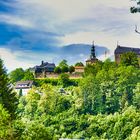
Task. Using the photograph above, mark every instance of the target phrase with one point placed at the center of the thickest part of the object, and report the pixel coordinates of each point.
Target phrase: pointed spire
(92, 56)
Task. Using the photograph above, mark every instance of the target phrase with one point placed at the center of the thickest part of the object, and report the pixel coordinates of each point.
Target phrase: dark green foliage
(135, 9)
(136, 97)
(16, 75)
(63, 63)
(7, 96)
(55, 82)
(129, 59)
(64, 80)
(5, 126)
(71, 69)
(57, 70)
(79, 64)
(64, 69)
(28, 75)
(19, 74)
(40, 82)
(64, 66)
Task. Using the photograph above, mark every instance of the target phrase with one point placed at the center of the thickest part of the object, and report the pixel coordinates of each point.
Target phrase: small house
(23, 87)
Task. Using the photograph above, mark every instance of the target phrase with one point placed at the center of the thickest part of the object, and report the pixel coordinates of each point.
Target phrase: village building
(43, 70)
(79, 69)
(92, 59)
(23, 87)
(121, 49)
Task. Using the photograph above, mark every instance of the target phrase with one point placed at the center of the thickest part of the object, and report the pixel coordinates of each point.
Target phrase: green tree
(136, 97)
(71, 69)
(63, 63)
(64, 80)
(79, 64)
(90, 70)
(16, 75)
(129, 58)
(28, 75)
(6, 131)
(91, 94)
(57, 70)
(64, 66)
(7, 96)
(35, 131)
(108, 64)
(64, 69)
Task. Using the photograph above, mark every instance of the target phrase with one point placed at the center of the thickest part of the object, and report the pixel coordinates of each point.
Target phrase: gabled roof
(122, 49)
(23, 84)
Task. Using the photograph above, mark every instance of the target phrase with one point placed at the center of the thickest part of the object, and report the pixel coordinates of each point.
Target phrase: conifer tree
(7, 96)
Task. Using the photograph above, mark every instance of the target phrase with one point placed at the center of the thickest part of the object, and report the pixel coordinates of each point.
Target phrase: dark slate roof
(122, 49)
(45, 66)
(23, 84)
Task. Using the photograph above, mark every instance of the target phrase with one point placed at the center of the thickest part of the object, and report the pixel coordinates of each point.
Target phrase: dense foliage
(129, 59)
(63, 67)
(7, 96)
(103, 105)
(19, 74)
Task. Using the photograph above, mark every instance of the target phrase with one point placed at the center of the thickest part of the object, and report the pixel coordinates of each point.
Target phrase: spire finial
(93, 42)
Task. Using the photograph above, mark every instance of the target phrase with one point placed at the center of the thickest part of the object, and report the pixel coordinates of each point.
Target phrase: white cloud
(15, 20)
(10, 59)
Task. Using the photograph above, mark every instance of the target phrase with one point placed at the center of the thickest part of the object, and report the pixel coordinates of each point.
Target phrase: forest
(104, 104)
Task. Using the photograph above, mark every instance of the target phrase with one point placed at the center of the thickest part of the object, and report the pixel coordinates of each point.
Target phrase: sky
(36, 30)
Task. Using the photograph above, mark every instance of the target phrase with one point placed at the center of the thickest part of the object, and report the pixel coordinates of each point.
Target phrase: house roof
(122, 49)
(45, 66)
(92, 60)
(23, 84)
(79, 67)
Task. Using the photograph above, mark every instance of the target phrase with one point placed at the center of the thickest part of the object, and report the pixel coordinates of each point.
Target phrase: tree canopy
(135, 9)
(129, 59)
(19, 74)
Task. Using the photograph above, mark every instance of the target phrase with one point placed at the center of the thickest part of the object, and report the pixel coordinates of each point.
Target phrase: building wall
(117, 58)
(139, 59)
(79, 69)
(24, 91)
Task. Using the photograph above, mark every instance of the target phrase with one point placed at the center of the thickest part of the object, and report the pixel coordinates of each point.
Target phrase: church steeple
(93, 59)
(92, 55)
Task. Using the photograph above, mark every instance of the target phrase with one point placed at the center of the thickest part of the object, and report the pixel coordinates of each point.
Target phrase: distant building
(121, 49)
(23, 87)
(43, 70)
(92, 59)
(79, 69)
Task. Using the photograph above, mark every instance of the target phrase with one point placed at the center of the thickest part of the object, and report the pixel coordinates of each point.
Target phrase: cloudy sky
(35, 30)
